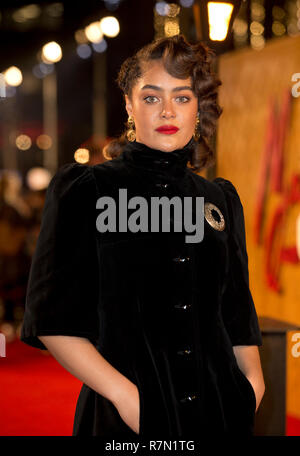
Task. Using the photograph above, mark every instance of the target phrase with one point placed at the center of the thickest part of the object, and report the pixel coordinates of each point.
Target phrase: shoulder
(219, 189)
(234, 205)
(227, 186)
(219, 184)
(70, 178)
(70, 199)
(109, 168)
(231, 194)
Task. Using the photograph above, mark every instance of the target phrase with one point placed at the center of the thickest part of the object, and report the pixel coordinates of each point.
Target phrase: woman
(163, 333)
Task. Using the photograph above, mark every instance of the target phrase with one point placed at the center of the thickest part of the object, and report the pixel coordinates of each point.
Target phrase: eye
(183, 99)
(150, 99)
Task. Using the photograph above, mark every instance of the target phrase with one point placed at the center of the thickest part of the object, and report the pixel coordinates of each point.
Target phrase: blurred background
(59, 103)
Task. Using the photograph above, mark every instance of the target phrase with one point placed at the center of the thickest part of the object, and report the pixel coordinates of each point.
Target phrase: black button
(183, 306)
(161, 185)
(161, 162)
(189, 398)
(185, 352)
(181, 259)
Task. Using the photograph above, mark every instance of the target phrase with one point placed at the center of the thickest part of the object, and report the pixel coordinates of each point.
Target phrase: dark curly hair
(181, 59)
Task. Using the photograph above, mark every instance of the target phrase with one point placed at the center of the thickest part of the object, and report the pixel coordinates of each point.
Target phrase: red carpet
(38, 396)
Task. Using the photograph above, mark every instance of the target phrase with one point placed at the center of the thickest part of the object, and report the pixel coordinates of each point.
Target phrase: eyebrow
(176, 89)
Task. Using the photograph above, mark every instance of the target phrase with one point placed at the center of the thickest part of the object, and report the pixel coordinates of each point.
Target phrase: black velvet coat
(164, 312)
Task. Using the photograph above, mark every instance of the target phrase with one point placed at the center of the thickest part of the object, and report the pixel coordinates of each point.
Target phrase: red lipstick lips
(167, 129)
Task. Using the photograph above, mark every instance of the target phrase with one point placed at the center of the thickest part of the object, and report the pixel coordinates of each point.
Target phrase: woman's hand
(259, 390)
(248, 360)
(81, 358)
(128, 406)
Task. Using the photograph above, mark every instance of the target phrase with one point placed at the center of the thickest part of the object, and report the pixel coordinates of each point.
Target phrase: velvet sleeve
(62, 289)
(238, 309)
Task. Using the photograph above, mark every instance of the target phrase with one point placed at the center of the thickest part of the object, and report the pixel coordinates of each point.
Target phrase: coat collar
(142, 157)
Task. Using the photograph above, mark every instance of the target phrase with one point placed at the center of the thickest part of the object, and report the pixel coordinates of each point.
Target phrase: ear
(128, 105)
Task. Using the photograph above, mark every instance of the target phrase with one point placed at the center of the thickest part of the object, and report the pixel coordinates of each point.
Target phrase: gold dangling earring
(196, 134)
(130, 134)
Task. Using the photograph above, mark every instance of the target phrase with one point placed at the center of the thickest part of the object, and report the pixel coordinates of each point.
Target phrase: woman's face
(158, 99)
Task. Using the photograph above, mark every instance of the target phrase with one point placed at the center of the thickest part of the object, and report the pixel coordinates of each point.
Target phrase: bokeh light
(44, 142)
(51, 52)
(80, 36)
(84, 51)
(42, 69)
(10, 91)
(46, 68)
(93, 32)
(171, 27)
(23, 142)
(13, 76)
(219, 15)
(173, 9)
(8, 330)
(240, 27)
(278, 13)
(256, 28)
(257, 42)
(162, 8)
(258, 12)
(110, 26)
(82, 155)
(100, 47)
(38, 178)
(55, 9)
(26, 13)
(278, 28)
(31, 11)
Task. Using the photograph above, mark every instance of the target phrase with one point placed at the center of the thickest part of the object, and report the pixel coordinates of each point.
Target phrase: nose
(167, 109)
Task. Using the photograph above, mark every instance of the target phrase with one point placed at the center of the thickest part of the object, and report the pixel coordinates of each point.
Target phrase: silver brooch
(208, 214)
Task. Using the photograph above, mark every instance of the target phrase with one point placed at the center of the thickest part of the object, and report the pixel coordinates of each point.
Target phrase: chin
(168, 144)
(165, 143)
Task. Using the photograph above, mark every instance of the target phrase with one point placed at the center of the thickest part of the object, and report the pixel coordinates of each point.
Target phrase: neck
(172, 164)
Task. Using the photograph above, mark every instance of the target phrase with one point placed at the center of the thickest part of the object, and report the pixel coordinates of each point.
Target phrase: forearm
(79, 357)
(248, 360)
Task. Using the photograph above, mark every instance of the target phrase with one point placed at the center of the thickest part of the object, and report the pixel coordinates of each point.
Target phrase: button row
(184, 352)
